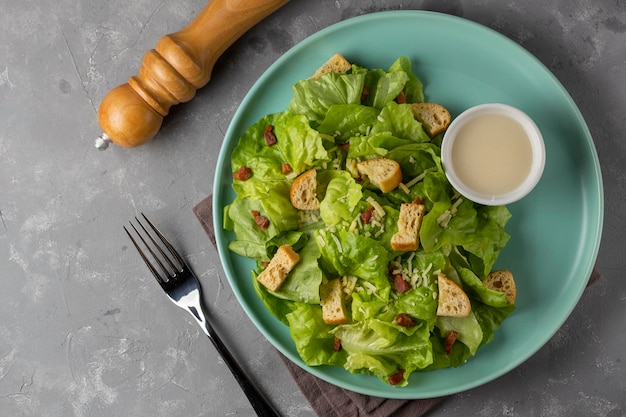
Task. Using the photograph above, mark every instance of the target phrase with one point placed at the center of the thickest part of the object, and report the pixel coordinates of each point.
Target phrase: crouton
(384, 173)
(409, 223)
(333, 305)
(337, 64)
(303, 191)
(452, 302)
(279, 267)
(502, 281)
(434, 117)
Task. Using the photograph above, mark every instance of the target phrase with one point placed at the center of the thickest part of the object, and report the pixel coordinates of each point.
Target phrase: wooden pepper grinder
(131, 114)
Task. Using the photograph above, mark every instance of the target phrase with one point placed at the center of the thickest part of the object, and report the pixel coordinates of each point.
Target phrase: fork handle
(259, 403)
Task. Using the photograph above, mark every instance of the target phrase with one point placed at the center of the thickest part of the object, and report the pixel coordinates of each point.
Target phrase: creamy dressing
(492, 154)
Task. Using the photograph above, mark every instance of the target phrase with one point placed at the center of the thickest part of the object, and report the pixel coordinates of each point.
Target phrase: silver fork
(183, 288)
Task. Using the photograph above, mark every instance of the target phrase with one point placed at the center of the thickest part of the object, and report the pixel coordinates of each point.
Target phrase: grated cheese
(410, 262)
(337, 242)
(370, 288)
(444, 219)
(410, 274)
(307, 217)
(420, 177)
(404, 188)
(455, 206)
(348, 283)
(377, 207)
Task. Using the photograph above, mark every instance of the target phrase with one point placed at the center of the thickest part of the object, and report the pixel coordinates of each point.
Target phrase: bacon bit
(450, 339)
(243, 174)
(400, 284)
(260, 221)
(265, 264)
(396, 378)
(344, 146)
(405, 320)
(418, 200)
(401, 98)
(270, 138)
(337, 344)
(285, 168)
(366, 216)
(365, 93)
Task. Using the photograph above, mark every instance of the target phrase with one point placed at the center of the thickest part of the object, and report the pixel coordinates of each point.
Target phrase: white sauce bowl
(484, 162)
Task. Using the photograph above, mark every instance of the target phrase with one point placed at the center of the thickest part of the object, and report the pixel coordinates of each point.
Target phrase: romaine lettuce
(331, 122)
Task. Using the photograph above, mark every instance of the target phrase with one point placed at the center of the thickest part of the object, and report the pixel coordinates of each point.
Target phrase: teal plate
(555, 230)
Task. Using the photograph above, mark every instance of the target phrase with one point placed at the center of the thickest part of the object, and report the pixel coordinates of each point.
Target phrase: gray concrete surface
(84, 331)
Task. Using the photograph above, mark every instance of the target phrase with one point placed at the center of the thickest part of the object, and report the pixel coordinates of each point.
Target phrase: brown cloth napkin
(329, 400)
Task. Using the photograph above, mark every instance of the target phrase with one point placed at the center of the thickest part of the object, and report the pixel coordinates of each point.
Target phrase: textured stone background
(84, 331)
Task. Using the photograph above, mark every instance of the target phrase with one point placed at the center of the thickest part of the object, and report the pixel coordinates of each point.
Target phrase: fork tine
(165, 271)
(166, 242)
(143, 256)
(164, 256)
(150, 243)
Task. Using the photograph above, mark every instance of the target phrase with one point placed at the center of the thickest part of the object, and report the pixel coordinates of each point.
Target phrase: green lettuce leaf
(398, 120)
(298, 145)
(313, 97)
(383, 86)
(413, 89)
(489, 238)
(341, 195)
(382, 348)
(345, 254)
(468, 329)
(344, 121)
(313, 338)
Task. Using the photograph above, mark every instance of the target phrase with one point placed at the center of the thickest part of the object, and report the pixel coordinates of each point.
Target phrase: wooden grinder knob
(131, 114)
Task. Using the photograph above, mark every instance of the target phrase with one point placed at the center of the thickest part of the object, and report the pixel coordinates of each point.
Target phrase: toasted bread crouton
(384, 173)
(453, 302)
(337, 64)
(502, 281)
(281, 264)
(409, 223)
(303, 191)
(333, 306)
(434, 117)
